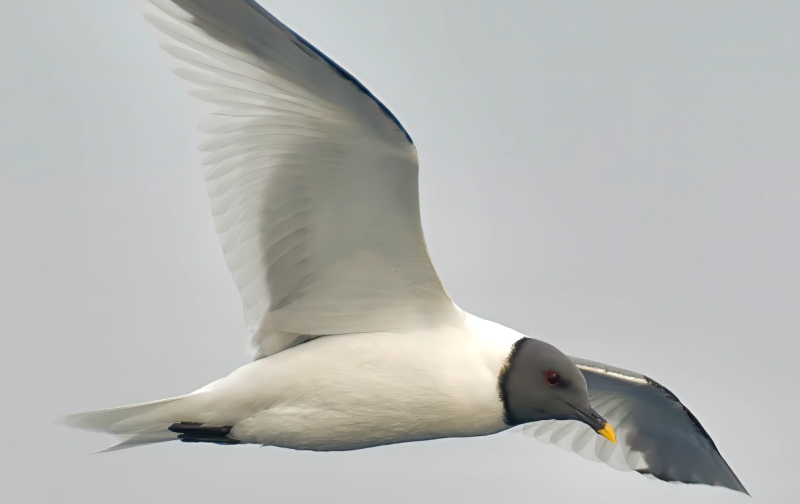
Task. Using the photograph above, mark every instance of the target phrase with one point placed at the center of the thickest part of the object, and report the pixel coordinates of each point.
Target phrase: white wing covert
(313, 182)
(656, 434)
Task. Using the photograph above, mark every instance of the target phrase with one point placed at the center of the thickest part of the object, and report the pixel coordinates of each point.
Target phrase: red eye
(551, 377)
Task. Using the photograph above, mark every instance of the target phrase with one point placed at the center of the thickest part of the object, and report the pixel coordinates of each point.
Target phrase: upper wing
(656, 434)
(313, 182)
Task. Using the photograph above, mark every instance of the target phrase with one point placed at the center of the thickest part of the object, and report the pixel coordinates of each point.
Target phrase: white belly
(357, 390)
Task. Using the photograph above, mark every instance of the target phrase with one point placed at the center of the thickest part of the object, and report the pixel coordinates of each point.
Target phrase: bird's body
(353, 391)
(313, 188)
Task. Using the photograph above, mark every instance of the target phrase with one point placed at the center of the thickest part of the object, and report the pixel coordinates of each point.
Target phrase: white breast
(357, 390)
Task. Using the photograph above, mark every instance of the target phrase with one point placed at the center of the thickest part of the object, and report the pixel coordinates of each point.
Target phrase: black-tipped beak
(596, 422)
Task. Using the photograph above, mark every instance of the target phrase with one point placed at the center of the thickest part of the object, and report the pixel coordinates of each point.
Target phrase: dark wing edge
(653, 421)
(344, 73)
(233, 12)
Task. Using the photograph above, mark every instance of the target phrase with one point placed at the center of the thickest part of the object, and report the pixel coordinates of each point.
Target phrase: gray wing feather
(656, 434)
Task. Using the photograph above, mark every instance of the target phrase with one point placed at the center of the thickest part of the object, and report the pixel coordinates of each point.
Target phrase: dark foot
(195, 432)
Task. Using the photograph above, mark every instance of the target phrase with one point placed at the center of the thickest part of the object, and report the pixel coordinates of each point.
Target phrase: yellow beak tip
(608, 432)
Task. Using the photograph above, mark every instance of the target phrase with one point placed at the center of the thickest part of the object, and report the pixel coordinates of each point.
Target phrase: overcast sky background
(621, 179)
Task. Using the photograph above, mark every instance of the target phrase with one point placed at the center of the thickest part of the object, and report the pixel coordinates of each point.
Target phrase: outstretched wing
(656, 434)
(313, 182)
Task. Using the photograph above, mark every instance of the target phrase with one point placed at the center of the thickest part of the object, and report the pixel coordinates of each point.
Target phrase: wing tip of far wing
(725, 477)
(735, 483)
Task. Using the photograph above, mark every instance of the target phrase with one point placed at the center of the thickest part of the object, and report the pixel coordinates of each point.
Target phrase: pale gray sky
(621, 179)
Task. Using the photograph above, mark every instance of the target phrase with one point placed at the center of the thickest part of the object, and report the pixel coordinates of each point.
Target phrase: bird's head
(538, 382)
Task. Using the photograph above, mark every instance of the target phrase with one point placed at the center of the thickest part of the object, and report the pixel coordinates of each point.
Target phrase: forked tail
(137, 424)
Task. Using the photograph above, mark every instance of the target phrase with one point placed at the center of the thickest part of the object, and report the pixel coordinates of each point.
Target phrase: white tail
(133, 425)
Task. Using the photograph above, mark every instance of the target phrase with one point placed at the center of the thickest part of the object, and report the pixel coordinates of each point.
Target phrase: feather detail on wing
(656, 434)
(313, 182)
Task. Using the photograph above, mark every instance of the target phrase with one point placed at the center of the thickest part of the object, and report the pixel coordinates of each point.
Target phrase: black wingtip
(702, 431)
(196, 432)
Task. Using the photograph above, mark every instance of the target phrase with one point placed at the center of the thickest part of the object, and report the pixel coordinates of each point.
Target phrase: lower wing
(656, 434)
